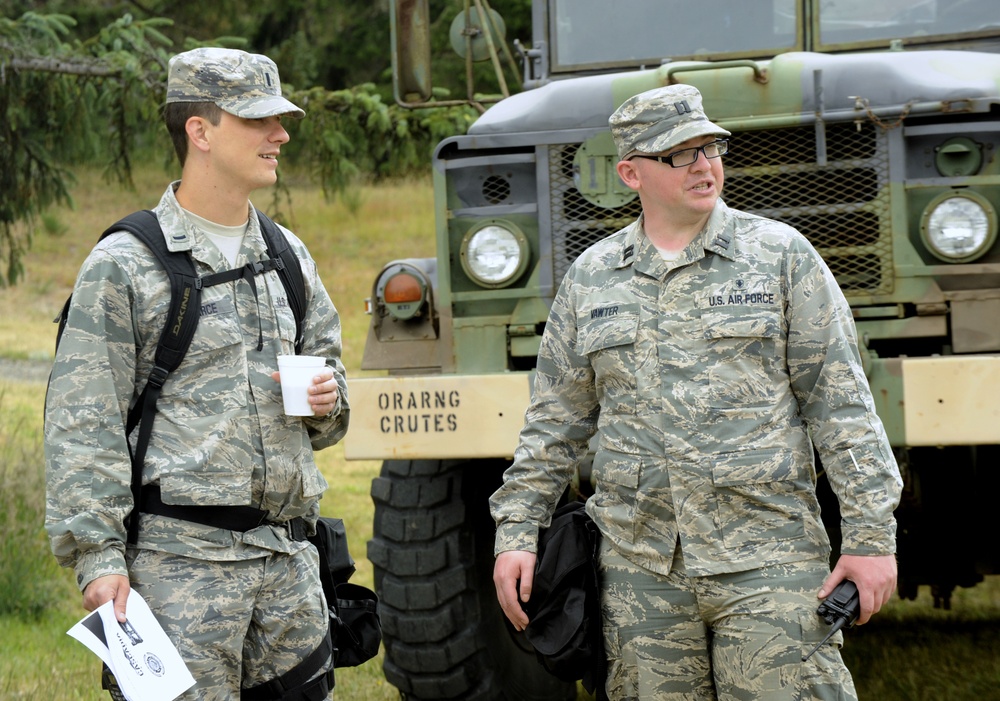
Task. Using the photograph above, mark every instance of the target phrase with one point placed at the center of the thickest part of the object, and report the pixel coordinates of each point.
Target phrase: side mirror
(411, 51)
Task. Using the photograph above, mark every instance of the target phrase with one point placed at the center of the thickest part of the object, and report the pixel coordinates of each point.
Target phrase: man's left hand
(323, 391)
(874, 575)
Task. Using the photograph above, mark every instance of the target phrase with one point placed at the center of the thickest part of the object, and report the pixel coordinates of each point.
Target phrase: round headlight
(959, 228)
(494, 253)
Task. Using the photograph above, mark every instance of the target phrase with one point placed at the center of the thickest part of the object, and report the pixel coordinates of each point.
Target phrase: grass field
(910, 652)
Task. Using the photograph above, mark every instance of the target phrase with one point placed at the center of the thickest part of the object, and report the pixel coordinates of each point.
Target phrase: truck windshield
(843, 21)
(603, 34)
(600, 34)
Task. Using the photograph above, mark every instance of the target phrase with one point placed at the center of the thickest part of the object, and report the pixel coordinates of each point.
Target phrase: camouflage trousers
(732, 637)
(237, 623)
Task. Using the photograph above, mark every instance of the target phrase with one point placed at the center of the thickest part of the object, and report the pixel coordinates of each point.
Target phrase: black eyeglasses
(687, 156)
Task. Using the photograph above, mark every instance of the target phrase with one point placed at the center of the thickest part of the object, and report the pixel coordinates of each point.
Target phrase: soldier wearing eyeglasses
(709, 354)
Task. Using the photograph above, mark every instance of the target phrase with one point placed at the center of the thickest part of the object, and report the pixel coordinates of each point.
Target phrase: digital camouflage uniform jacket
(220, 436)
(703, 379)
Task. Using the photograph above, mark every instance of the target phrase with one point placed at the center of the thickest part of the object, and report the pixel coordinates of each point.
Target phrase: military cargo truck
(873, 128)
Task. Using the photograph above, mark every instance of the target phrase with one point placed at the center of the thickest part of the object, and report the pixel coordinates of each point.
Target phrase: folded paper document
(138, 652)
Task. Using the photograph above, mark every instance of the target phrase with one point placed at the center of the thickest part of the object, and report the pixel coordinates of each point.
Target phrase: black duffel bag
(564, 610)
(355, 625)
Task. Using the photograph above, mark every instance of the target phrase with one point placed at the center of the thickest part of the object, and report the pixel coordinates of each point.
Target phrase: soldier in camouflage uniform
(706, 351)
(242, 607)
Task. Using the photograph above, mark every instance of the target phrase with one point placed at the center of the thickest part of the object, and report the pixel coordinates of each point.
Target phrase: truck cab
(872, 128)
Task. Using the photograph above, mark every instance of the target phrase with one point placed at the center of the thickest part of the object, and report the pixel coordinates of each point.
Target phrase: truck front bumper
(436, 416)
(939, 401)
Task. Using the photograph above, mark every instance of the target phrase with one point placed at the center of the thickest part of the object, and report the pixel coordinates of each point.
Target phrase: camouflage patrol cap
(242, 84)
(659, 119)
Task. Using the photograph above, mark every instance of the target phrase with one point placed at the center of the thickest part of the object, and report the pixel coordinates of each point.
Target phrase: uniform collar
(182, 235)
(717, 237)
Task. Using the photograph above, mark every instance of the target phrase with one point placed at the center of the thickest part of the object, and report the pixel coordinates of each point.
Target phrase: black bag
(355, 625)
(564, 610)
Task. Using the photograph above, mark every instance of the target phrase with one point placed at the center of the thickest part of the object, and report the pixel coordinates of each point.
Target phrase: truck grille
(842, 206)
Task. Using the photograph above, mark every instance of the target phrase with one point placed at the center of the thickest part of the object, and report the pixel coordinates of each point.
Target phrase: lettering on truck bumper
(440, 416)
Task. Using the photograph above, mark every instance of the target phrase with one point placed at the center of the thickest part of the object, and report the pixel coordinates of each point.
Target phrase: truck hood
(887, 79)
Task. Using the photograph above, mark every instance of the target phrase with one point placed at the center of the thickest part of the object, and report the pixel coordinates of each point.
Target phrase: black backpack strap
(282, 260)
(182, 320)
(175, 339)
(289, 270)
(298, 683)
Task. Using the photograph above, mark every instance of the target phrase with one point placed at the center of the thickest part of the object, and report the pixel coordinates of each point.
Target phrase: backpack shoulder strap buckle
(157, 376)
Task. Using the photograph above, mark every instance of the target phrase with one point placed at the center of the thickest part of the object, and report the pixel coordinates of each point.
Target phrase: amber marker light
(403, 288)
(404, 295)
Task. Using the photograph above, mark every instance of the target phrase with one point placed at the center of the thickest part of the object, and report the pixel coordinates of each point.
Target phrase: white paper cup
(297, 373)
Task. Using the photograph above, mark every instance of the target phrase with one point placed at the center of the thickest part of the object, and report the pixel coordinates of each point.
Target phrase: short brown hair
(176, 115)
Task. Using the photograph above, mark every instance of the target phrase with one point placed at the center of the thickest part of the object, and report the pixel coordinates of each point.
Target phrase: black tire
(444, 634)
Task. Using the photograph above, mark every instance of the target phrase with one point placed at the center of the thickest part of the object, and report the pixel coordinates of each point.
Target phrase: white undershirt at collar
(228, 239)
